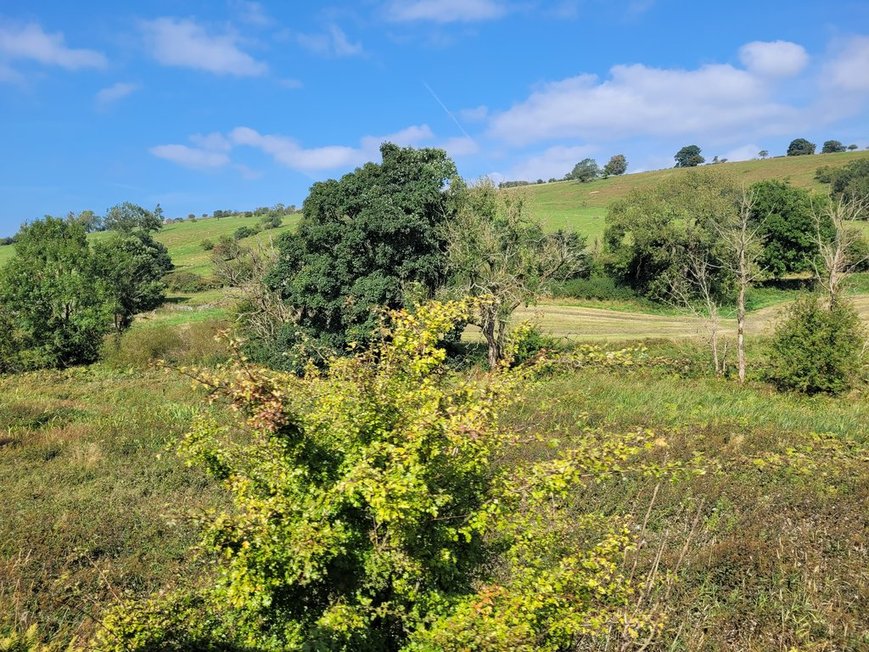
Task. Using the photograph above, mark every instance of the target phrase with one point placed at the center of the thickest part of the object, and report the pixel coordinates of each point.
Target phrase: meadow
(765, 548)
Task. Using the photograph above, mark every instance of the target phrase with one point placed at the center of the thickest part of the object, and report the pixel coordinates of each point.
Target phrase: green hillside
(582, 206)
(184, 239)
(562, 204)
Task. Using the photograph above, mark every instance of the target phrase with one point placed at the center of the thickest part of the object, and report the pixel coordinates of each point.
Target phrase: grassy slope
(582, 206)
(95, 502)
(184, 239)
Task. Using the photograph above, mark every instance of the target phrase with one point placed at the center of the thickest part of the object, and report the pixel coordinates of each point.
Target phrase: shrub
(187, 282)
(817, 348)
(244, 232)
(271, 221)
(207, 245)
(597, 287)
(371, 513)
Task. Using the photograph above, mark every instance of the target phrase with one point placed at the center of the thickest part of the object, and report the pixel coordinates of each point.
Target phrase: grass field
(98, 508)
(568, 205)
(184, 239)
(582, 206)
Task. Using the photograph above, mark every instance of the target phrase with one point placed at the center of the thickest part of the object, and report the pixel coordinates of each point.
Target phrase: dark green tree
(616, 166)
(363, 241)
(800, 147)
(688, 157)
(652, 234)
(586, 170)
(128, 217)
(831, 147)
(131, 267)
(848, 183)
(54, 306)
(852, 147)
(788, 227)
(817, 347)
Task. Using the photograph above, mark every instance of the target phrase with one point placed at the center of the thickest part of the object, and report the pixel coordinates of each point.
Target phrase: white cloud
(445, 11)
(115, 92)
(213, 142)
(190, 157)
(332, 43)
(641, 101)
(460, 146)
(186, 44)
(475, 114)
(289, 153)
(292, 84)
(252, 13)
(31, 42)
(773, 58)
(743, 153)
(849, 70)
(553, 162)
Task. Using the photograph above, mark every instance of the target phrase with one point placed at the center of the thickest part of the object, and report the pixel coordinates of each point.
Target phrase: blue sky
(235, 104)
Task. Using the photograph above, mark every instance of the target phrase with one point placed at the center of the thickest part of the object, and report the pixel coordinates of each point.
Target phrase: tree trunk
(740, 329)
(493, 342)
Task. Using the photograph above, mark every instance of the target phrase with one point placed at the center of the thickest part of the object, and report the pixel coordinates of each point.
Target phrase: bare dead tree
(698, 276)
(835, 261)
(743, 239)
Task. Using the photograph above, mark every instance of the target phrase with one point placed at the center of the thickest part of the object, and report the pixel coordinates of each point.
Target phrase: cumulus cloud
(773, 58)
(849, 69)
(213, 150)
(288, 152)
(190, 157)
(115, 92)
(210, 151)
(638, 100)
(186, 44)
(553, 162)
(743, 153)
(445, 11)
(331, 43)
(30, 42)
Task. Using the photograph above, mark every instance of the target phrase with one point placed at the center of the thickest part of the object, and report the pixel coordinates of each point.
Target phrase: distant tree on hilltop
(800, 147)
(688, 157)
(832, 146)
(616, 166)
(586, 170)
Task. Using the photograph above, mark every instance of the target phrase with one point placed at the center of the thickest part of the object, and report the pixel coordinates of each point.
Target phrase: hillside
(184, 239)
(582, 206)
(562, 204)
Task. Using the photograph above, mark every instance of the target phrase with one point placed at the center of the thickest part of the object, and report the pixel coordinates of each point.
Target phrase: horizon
(200, 107)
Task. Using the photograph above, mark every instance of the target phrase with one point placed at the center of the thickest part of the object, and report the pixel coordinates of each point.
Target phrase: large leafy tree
(586, 170)
(832, 146)
(652, 235)
(131, 267)
(688, 157)
(849, 183)
(800, 147)
(54, 307)
(127, 217)
(498, 253)
(787, 226)
(616, 166)
(364, 241)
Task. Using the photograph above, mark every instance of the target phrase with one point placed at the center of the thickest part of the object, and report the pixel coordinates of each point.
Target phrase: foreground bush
(817, 348)
(371, 512)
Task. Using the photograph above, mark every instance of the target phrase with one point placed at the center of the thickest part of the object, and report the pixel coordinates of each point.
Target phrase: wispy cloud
(29, 42)
(115, 92)
(445, 11)
(252, 13)
(210, 151)
(213, 150)
(849, 68)
(185, 43)
(331, 43)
